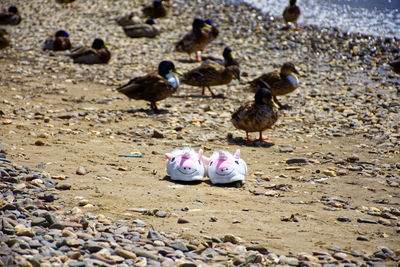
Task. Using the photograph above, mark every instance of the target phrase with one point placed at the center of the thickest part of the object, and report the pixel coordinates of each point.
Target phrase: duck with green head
(291, 14)
(256, 116)
(59, 42)
(10, 17)
(4, 40)
(211, 74)
(153, 87)
(281, 82)
(156, 10)
(195, 40)
(149, 29)
(97, 54)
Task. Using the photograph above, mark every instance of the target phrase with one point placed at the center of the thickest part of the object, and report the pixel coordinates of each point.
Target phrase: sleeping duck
(195, 40)
(211, 74)
(256, 116)
(58, 42)
(10, 17)
(97, 54)
(153, 87)
(4, 40)
(143, 30)
(291, 13)
(395, 64)
(127, 20)
(281, 82)
(228, 59)
(156, 10)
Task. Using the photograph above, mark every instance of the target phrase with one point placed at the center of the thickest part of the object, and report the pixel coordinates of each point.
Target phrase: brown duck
(281, 82)
(156, 10)
(127, 20)
(97, 54)
(149, 29)
(4, 40)
(10, 17)
(211, 74)
(395, 64)
(153, 87)
(256, 116)
(195, 40)
(291, 13)
(59, 42)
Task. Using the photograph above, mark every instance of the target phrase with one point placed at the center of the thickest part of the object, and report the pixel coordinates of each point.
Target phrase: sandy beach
(340, 200)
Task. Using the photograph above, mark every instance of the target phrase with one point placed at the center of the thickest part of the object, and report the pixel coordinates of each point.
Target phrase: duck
(281, 82)
(4, 40)
(257, 116)
(65, 2)
(156, 10)
(10, 17)
(211, 74)
(59, 42)
(97, 54)
(228, 59)
(195, 40)
(149, 29)
(153, 87)
(291, 13)
(395, 64)
(127, 20)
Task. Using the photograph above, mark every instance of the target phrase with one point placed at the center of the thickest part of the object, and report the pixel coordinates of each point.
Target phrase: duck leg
(198, 57)
(212, 93)
(153, 106)
(190, 57)
(203, 90)
(281, 106)
(264, 141)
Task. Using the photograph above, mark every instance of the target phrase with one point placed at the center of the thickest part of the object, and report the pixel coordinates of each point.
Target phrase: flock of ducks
(255, 116)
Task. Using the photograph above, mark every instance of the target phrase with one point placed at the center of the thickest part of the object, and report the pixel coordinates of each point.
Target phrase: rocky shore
(326, 194)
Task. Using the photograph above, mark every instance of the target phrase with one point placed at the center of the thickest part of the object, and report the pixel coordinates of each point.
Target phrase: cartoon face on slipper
(224, 168)
(185, 165)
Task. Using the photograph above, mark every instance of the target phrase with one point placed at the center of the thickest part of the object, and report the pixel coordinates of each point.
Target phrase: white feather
(173, 80)
(293, 80)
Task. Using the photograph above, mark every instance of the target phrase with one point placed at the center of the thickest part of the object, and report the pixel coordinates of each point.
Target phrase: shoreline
(342, 84)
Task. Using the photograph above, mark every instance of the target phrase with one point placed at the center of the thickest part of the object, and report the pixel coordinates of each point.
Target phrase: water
(375, 17)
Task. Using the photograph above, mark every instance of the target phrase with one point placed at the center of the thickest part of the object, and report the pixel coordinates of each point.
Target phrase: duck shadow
(147, 111)
(181, 60)
(243, 142)
(220, 96)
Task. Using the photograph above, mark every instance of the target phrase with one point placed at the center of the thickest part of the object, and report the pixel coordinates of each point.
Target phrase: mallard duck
(156, 10)
(4, 40)
(97, 54)
(58, 42)
(213, 31)
(210, 74)
(228, 59)
(196, 39)
(256, 116)
(281, 82)
(291, 13)
(10, 17)
(66, 2)
(127, 20)
(395, 64)
(153, 87)
(143, 30)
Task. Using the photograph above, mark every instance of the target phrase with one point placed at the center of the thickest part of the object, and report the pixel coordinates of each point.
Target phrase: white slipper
(223, 168)
(185, 164)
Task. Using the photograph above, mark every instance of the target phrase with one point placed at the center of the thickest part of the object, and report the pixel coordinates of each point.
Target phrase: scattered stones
(297, 161)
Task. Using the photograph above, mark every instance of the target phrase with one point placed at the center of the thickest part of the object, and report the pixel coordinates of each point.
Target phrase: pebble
(81, 170)
(297, 160)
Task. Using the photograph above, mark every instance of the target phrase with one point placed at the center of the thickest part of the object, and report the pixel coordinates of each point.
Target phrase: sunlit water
(375, 17)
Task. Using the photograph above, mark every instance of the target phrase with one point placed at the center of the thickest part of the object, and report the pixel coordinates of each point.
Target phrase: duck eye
(237, 162)
(173, 159)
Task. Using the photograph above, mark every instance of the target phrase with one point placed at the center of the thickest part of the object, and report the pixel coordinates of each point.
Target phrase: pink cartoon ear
(237, 154)
(201, 154)
(168, 155)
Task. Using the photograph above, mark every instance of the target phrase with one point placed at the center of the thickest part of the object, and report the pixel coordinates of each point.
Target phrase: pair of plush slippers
(184, 164)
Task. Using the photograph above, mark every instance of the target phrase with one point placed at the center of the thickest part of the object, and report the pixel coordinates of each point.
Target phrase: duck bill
(177, 72)
(296, 71)
(272, 103)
